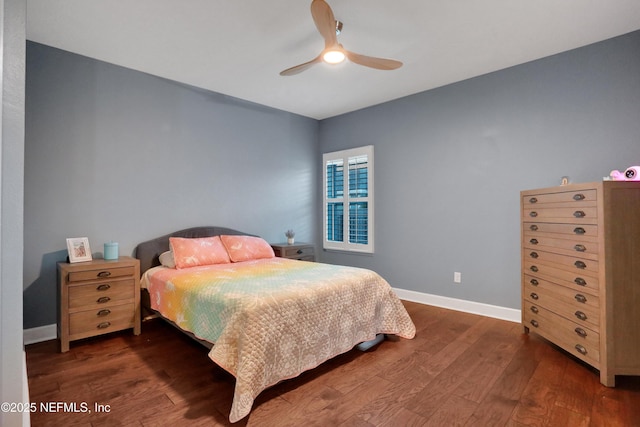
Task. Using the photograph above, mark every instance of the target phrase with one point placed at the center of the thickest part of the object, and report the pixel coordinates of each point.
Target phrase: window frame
(347, 199)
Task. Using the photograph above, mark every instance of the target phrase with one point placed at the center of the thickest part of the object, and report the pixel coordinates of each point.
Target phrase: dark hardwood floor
(460, 370)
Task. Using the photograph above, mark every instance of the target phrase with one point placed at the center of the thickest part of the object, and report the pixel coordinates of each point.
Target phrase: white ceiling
(238, 47)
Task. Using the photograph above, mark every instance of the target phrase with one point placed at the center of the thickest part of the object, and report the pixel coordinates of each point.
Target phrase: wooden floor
(460, 370)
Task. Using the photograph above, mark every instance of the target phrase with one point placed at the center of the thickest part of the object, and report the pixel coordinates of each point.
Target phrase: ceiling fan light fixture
(333, 56)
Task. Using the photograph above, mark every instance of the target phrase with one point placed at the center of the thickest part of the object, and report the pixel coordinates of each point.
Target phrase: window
(348, 199)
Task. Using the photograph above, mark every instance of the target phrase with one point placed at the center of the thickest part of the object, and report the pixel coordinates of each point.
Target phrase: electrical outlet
(457, 277)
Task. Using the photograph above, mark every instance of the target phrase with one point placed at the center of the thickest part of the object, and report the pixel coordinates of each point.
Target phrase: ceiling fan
(333, 52)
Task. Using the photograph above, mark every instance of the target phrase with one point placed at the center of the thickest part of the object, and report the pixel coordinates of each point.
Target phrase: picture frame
(79, 250)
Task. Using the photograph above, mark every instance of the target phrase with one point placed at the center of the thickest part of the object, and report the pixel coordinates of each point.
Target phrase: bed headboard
(149, 252)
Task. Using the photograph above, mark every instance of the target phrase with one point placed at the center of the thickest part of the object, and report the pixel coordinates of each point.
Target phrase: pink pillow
(246, 248)
(201, 251)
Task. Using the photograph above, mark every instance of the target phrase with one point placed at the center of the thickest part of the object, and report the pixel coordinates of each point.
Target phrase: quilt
(272, 319)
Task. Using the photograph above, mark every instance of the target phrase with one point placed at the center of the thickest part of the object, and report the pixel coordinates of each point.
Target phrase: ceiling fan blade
(325, 22)
(300, 68)
(372, 62)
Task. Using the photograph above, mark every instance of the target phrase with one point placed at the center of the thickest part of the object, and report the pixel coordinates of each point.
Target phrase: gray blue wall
(450, 163)
(116, 154)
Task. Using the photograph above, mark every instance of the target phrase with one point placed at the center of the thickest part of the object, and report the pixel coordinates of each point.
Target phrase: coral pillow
(246, 248)
(200, 251)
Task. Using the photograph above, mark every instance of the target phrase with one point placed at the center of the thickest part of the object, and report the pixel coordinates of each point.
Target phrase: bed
(266, 319)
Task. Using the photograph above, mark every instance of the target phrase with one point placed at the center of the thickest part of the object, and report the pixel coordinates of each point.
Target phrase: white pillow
(166, 259)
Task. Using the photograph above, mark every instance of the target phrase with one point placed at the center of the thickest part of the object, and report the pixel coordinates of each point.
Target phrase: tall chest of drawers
(581, 272)
(97, 297)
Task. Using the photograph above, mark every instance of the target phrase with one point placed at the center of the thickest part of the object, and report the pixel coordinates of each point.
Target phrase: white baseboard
(39, 334)
(49, 332)
(482, 309)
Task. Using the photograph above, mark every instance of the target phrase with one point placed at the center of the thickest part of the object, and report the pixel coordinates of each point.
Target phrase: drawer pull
(534, 295)
(581, 332)
(533, 200)
(581, 349)
(579, 230)
(581, 298)
(534, 241)
(580, 248)
(299, 251)
(533, 268)
(534, 282)
(580, 281)
(104, 325)
(579, 214)
(534, 309)
(533, 214)
(580, 264)
(104, 312)
(533, 227)
(104, 274)
(580, 315)
(103, 287)
(578, 197)
(534, 322)
(533, 254)
(102, 300)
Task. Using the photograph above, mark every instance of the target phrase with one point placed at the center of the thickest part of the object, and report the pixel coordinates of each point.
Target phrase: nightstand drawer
(102, 273)
(101, 292)
(102, 320)
(298, 251)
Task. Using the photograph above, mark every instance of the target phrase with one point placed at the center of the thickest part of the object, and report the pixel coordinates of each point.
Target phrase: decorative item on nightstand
(290, 236)
(111, 251)
(78, 248)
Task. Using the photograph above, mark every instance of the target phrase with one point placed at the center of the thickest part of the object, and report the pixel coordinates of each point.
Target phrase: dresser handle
(533, 214)
(534, 296)
(580, 315)
(534, 309)
(533, 268)
(103, 287)
(579, 214)
(534, 241)
(581, 332)
(580, 281)
(534, 282)
(299, 251)
(533, 254)
(580, 248)
(578, 197)
(533, 227)
(102, 300)
(534, 322)
(581, 349)
(580, 265)
(581, 298)
(104, 274)
(104, 312)
(579, 230)
(104, 325)
(533, 200)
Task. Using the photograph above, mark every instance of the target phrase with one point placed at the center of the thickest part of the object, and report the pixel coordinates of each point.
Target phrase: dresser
(581, 272)
(97, 297)
(299, 251)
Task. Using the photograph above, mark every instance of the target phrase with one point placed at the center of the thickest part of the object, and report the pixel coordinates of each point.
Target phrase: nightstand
(97, 297)
(299, 251)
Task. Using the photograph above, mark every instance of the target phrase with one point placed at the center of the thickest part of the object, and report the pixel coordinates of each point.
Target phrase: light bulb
(333, 56)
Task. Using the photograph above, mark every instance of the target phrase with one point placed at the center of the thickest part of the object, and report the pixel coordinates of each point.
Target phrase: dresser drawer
(574, 338)
(101, 292)
(575, 264)
(581, 308)
(103, 273)
(575, 278)
(112, 318)
(579, 196)
(584, 232)
(575, 215)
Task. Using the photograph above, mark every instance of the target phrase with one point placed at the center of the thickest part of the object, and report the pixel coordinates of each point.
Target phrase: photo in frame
(78, 248)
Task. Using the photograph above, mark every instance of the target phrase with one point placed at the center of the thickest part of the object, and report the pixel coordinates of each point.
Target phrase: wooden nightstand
(97, 297)
(299, 251)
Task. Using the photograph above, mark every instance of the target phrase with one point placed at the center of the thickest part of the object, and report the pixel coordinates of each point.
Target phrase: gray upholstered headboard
(149, 252)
